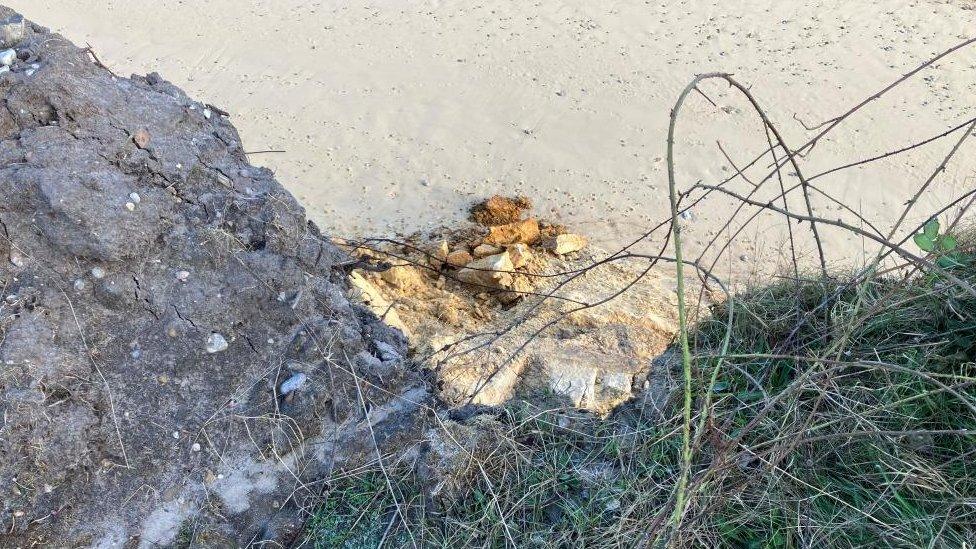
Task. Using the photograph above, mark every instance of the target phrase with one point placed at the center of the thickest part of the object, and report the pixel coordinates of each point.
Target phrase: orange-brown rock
(458, 258)
(525, 232)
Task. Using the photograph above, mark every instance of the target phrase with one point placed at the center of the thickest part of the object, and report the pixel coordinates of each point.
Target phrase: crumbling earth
(178, 357)
(512, 306)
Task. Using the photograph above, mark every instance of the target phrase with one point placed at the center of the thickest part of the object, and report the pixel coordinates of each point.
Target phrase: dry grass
(843, 414)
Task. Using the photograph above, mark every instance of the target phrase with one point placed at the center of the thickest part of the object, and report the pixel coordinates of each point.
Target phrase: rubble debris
(459, 258)
(525, 232)
(590, 359)
(493, 271)
(520, 254)
(565, 244)
(484, 250)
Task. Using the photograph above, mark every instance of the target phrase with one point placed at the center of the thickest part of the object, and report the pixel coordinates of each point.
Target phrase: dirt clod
(500, 210)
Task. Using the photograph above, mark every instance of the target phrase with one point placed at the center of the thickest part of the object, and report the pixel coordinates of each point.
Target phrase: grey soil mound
(177, 353)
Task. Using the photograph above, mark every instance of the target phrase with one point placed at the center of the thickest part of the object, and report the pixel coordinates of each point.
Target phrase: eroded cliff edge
(176, 346)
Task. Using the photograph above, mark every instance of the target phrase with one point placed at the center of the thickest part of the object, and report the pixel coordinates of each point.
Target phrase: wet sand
(395, 115)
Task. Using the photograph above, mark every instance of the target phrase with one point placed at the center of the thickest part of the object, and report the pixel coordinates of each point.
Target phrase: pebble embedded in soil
(142, 138)
(130, 206)
(98, 272)
(183, 276)
(292, 384)
(388, 353)
(216, 343)
(7, 57)
(79, 284)
(135, 198)
(16, 259)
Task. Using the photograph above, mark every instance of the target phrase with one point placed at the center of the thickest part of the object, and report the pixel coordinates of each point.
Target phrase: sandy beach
(395, 116)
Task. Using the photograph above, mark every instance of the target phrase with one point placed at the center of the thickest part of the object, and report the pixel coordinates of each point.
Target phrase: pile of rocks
(494, 259)
(485, 285)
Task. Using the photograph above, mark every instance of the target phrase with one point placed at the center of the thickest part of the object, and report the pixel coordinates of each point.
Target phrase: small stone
(216, 343)
(521, 254)
(566, 243)
(16, 259)
(441, 251)
(686, 215)
(7, 57)
(48, 488)
(130, 206)
(292, 384)
(195, 447)
(484, 250)
(207, 113)
(459, 258)
(183, 276)
(12, 31)
(388, 353)
(79, 284)
(135, 198)
(493, 271)
(403, 277)
(142, 138)
(98, 272)
(176, 434)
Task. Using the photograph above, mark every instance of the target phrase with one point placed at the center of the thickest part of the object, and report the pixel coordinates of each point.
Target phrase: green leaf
(931, 229)
(925, 242)
(948, 243)
(951, 260)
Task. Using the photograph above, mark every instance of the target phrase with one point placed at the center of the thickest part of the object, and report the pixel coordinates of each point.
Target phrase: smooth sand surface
(396, 115)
